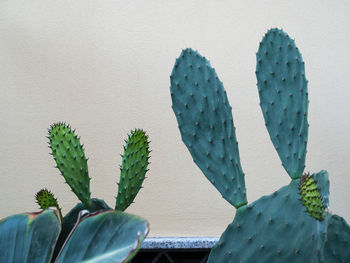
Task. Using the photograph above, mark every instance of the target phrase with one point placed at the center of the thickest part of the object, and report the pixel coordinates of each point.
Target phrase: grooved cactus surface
(274, 228)
(284, 98)
(206, 124)
(133, 168)
(70, 159)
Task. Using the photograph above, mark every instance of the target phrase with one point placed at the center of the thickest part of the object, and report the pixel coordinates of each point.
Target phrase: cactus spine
(292, 224)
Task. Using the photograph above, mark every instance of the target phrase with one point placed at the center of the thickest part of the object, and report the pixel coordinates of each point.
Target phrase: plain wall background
(103, 66)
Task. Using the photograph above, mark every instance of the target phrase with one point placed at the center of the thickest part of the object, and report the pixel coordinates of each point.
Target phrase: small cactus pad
(274, 228)
(311, 197)
(284, 98)
(46, 199)
(205, 121)
(337, 247)
(70, 159)
(133, 168)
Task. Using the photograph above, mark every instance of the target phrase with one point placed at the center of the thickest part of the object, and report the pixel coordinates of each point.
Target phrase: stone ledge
(179, 242)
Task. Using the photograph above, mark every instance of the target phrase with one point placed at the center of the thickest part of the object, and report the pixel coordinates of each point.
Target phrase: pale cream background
(103, 66)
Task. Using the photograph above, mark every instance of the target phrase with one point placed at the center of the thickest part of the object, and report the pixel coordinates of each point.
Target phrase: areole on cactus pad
(292, 224)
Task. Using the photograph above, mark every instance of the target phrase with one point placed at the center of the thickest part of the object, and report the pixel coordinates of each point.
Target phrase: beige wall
(103, 66)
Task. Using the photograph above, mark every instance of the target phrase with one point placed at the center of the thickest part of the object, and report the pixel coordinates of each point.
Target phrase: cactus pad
(133, 168)
(205, 121)
(70, 159)
(311, 197)
(274, 228)
(284, 98)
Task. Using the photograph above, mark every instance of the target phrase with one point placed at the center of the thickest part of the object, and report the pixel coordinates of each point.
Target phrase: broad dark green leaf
(29, 237)
(104, 236)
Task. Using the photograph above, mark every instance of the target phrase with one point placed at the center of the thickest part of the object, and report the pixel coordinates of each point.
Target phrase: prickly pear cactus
(70, 158)
(292, 224)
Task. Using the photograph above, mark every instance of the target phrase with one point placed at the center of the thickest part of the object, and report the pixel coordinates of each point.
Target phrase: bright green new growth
(311, 197)
(292, 224)
(133, 168)
(70, 159)
(46, 199)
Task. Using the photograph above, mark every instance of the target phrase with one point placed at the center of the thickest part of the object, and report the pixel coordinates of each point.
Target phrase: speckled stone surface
(179, 242)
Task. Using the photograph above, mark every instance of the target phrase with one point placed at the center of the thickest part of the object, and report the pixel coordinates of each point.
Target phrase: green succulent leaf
(70, 219)
(103, 237)
(29, 237)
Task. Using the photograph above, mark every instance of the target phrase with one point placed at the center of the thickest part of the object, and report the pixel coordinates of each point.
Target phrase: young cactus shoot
(70, 159)
(133, 168)
(46, 199)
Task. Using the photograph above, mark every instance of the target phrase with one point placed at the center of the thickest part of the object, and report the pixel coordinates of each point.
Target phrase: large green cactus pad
(29, 237)
(105, 236)
(274, 228)
(70, 159)
(284, 98)
(337, 248)
(133, 168)
(205, 121)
